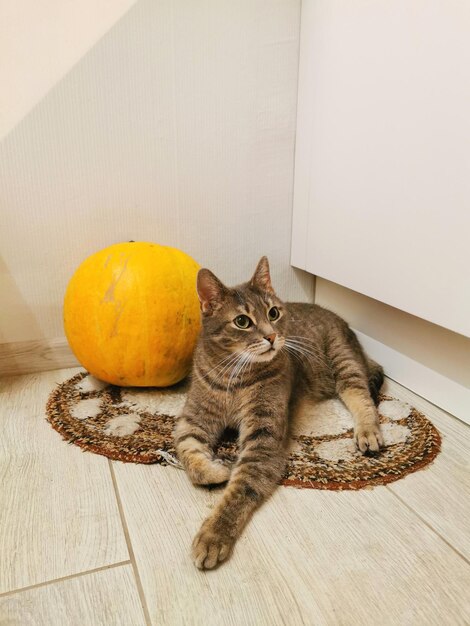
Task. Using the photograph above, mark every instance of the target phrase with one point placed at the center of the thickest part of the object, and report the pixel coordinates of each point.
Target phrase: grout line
(69, 577)
(426, 523)
(133, 562)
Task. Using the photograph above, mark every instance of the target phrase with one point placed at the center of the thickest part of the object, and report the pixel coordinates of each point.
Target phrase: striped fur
(253, 379)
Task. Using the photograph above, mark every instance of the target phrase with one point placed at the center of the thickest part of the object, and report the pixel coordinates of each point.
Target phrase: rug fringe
(169, 458)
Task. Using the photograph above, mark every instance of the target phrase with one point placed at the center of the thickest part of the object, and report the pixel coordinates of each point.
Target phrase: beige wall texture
(435, 347)
(176, 127)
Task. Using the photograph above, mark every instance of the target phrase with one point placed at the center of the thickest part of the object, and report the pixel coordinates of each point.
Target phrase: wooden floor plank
(441, 493)
(58, 511)
(308, 557)
(108, 598)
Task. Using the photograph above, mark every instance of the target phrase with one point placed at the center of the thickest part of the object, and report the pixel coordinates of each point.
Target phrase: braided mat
(135, 425)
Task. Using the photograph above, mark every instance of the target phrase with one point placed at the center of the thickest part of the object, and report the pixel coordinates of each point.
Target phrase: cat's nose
(271, 338)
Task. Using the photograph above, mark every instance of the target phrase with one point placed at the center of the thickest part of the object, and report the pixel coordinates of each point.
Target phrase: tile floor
(86, 541)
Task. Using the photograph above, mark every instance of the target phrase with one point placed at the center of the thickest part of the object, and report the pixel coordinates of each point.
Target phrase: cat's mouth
(267, 355)
(263, 353)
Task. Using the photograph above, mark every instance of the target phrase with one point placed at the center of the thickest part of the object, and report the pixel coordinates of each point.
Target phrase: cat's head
(247, 319)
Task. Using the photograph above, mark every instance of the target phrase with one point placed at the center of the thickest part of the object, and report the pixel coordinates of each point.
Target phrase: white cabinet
(382, 171)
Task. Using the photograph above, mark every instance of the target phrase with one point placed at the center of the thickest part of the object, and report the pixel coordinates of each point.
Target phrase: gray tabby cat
(257, 360)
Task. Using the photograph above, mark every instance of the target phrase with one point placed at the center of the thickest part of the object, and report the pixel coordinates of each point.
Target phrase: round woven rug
(135, 425)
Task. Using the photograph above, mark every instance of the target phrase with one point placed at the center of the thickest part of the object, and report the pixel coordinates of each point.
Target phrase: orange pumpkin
(131, 314)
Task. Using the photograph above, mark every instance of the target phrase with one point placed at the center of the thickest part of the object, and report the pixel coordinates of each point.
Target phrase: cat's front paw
(210, 546)
(368, 437)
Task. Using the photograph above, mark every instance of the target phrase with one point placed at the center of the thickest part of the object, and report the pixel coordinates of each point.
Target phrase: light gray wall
(177, 127)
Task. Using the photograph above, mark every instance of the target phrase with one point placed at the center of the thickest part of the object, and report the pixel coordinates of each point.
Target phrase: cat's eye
(273, 314)
(243, 322)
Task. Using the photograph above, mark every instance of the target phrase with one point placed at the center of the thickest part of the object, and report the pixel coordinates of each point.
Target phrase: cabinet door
(382, 173)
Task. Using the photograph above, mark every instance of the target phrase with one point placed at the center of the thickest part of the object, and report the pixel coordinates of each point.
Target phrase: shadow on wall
(37, 354)
(306, 283)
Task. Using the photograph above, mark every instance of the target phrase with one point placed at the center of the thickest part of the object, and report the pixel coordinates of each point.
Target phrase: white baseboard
(25, 357)
(444, 392)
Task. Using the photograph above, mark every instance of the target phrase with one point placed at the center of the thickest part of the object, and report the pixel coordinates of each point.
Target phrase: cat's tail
(376, 379)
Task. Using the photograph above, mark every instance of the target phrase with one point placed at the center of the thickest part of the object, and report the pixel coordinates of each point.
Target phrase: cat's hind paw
(205, 471)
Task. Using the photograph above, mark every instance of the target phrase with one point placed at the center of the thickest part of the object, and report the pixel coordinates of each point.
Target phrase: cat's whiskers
(227, 368)
(244, 356)
(309, 344)
(305, 342)
(249, 355)
(243, 370)
(220, 367)
(292, 353)
(232, 363)
(307, 352)
(300, 355)
(219, 364)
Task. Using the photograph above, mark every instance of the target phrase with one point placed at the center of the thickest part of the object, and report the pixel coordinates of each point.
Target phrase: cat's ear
(261, 277)
(211, 291)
